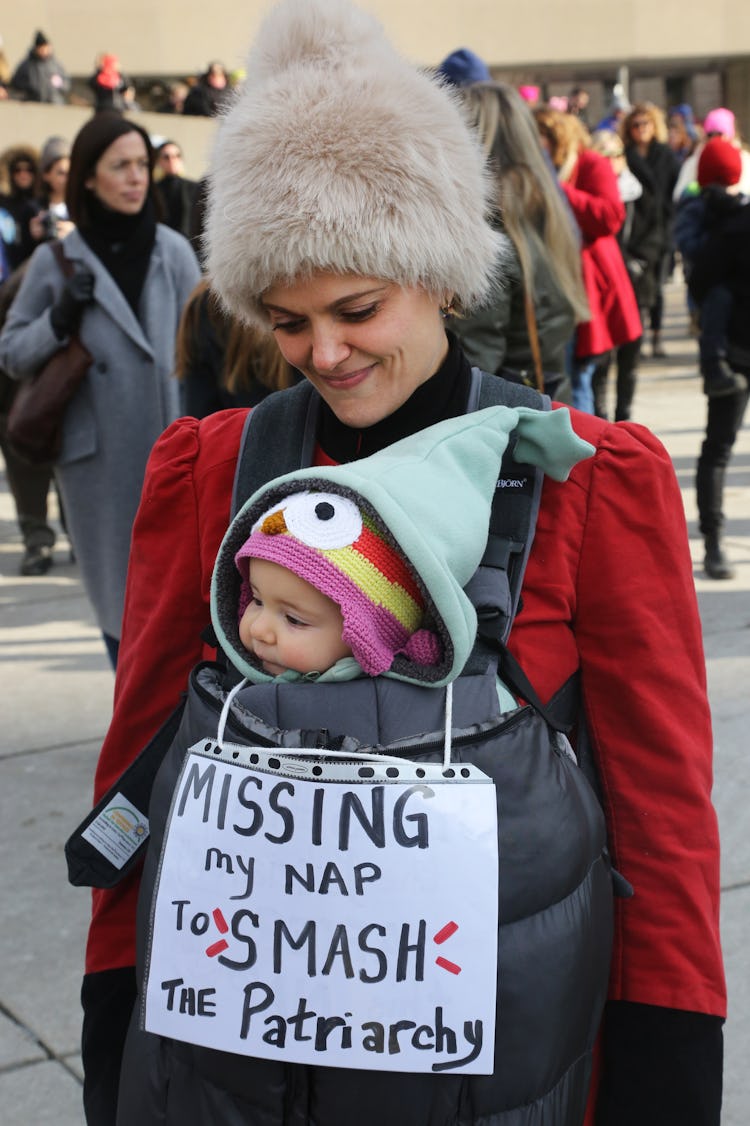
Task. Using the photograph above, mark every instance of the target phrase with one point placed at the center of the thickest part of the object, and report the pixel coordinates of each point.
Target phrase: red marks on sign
(451, 967)
(445, 932)
(442, 936)
(222, 926)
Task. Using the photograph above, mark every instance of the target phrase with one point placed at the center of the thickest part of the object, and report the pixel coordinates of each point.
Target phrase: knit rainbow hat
(335, 543)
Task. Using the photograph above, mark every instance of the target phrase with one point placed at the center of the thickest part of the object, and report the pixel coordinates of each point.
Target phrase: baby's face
(289, 624)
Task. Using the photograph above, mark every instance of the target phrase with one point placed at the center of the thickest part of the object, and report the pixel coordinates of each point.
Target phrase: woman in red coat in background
(591, 189)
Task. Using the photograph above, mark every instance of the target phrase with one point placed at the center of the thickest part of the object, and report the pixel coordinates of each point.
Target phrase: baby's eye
(297, 622)
(322, 520)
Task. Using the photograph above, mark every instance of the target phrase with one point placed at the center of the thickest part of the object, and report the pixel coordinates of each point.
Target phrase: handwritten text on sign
(342, 923)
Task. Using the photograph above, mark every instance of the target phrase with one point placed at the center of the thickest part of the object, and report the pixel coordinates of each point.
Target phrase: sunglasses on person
(640, 123)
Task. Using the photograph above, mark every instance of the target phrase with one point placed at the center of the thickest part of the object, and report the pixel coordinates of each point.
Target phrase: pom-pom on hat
(720, 162)
(340, 155)
(721, 121)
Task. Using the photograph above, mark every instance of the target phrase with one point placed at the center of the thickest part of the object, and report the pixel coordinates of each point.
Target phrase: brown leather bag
(35, 418)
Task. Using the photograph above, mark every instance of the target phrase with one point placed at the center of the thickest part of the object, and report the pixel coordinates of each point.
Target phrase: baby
(336, 572)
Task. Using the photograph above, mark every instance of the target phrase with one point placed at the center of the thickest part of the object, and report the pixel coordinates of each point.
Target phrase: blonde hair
(527, 198)
(248, 353)
(608, 143)
(645, 109)
(565, 135)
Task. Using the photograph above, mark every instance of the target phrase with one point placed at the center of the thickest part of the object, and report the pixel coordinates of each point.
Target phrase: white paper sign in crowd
(348, 924)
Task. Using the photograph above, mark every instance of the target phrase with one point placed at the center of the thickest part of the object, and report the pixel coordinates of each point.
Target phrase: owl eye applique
(322, 520)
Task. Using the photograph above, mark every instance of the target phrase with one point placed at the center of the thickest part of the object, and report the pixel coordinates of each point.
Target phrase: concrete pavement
(56, 699)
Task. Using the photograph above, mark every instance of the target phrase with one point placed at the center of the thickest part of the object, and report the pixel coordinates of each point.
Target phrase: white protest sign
(309, 914)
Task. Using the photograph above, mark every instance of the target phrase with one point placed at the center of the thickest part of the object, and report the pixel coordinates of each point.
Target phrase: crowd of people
(41, 77)
(375, 254)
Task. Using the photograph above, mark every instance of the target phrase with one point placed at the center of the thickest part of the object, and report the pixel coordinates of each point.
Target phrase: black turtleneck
(123, 243)
(444, 395)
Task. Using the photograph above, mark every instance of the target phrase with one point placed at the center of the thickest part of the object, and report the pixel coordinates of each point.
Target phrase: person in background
(650, 158)
(349, 250)
(682, 135)
(132, 278)
(109, 85)
(698, 217)
(40, 77)
(177, 92)
(542, 258)
(640, 254)
(619, 106)
(43, 218)
(719, 122)
(19, 168)
(463, 67)
(210, 93)
(178, 195)
(223, 363)
(591, 189)
(578, 104)
(50, 218)
(28, 484)
(719, 282)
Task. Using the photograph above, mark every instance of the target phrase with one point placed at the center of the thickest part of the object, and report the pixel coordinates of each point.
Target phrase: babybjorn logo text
(511, 483)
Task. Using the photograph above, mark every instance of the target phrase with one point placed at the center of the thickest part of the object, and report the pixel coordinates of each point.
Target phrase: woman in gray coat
(132, 278)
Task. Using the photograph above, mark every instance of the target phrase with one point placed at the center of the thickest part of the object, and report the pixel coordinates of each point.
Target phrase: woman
(132, 278)
(591, 189)
(42, 217)
(223, 363)
(50, 218)
(542, 262)
(651, 159)
(682, 136)
(640, 251)
(19, 167)
(338, 221)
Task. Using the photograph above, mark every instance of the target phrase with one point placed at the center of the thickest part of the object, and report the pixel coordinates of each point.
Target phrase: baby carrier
(552, 894)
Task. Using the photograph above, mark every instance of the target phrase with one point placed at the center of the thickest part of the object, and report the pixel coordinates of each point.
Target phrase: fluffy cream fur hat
(338, 154)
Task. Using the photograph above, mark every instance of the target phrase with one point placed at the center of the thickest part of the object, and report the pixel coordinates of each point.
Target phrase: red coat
(594, 198)
(608, 587)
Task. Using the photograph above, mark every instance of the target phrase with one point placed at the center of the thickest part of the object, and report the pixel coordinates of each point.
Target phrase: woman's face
(23, 175)
(56, 177)
(121, 176)
(365, 344)
(642, 129)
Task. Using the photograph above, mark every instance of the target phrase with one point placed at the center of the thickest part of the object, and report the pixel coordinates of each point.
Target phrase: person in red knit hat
(702, 223)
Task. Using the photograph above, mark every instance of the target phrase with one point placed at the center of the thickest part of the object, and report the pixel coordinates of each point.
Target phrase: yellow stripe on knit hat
(375, 586)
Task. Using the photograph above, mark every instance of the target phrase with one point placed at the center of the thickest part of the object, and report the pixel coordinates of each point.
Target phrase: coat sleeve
(645, 699)
(182, 517)
(28, 339)
(595, 199)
